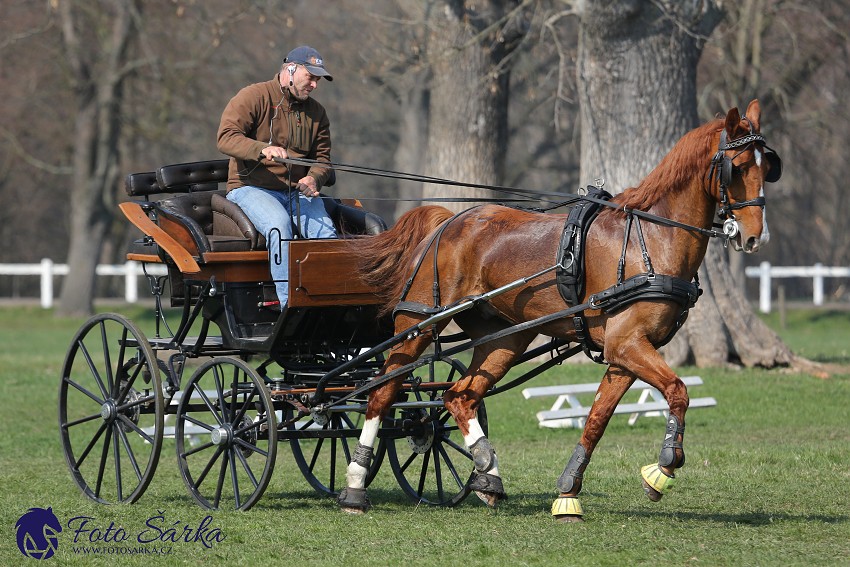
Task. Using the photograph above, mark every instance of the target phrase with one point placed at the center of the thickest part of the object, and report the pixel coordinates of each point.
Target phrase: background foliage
(190, 57)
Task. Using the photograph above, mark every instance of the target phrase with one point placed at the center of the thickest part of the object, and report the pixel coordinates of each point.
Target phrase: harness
(569, 268)
(570, 275)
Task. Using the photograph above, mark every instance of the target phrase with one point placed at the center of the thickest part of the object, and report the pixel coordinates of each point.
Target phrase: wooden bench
(650, 402)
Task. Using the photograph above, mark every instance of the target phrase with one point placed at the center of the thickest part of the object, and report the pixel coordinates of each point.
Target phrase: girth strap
(646, 286)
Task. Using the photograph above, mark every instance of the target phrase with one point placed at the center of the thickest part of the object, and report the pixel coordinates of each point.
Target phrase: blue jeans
(273, 214)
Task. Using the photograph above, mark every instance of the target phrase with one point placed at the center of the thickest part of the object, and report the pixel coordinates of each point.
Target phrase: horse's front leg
(644, 360)
(616, 381)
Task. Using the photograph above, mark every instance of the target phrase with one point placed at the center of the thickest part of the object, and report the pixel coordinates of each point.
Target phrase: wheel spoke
(91, 445)
(139, 431)
(209, 404)
(437, 474)
(252, 448)
(234, 478)
(135, 403)
(450, 465)
(220, 485)
(247, 468)
(408, 462)
(116, 455)
(460, 449)
(423, 473)
(106, 358)
(316, 453)
(93, 370)
(85, 391)
(129, 451)
(208, 468)
(103, 456)
(81, 420)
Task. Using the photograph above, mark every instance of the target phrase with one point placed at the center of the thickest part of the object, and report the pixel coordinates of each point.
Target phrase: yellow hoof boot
(657, 479)
(566, 506)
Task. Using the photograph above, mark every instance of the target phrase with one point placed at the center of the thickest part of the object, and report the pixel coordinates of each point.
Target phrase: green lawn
(767, 480)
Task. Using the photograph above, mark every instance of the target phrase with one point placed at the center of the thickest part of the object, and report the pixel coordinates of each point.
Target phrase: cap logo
(316, 61)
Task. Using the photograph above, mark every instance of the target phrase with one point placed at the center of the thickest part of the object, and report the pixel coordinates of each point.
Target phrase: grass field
(767, 480)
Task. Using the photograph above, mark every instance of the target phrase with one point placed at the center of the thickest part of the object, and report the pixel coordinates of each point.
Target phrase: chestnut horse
(722, 162)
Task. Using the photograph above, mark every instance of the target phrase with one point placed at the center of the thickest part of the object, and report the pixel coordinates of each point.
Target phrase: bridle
(722, 168)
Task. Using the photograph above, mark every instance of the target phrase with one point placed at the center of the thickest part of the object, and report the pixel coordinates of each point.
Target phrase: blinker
(775, 163)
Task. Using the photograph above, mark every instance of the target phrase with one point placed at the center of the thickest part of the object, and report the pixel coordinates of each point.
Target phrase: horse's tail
(382, 259)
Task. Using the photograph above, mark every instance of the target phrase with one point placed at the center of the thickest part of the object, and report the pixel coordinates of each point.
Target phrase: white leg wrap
(476, 433)
(356, 475)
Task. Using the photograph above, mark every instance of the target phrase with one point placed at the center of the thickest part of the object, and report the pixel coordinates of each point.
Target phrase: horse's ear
(754, 113)
(733, 119)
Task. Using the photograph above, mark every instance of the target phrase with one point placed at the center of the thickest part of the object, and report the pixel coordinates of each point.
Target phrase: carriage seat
(199, 211)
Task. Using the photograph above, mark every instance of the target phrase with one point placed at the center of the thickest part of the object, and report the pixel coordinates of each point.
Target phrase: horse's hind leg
(616, 381)
(353, 498)
(490, 362)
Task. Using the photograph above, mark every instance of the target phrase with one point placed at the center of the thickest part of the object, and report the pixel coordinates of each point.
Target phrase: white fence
(47, 269)
(765, 272)
(132, 270)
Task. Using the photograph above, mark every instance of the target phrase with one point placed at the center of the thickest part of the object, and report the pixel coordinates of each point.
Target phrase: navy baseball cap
(310, 58)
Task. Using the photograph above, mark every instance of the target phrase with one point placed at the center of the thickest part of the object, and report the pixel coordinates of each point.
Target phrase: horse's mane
(686, 160)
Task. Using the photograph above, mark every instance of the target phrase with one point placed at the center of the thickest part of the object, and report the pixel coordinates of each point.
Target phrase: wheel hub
(220, 435)
(108, 411)
(424, 432)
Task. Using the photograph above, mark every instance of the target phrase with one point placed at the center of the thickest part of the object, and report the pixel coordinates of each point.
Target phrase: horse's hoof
(353, 501)
(488, 488)
(490, 499)
(656, 482)
(651, 493)
(569, 519)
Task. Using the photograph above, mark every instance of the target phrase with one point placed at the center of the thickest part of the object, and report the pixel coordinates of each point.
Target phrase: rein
(529, 195)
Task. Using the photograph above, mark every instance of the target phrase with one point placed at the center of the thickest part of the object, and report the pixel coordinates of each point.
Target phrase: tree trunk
(98, 73)
(413, 139)
(637, 82)
(467, 133)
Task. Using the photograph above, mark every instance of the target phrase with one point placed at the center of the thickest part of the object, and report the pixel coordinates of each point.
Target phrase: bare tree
(470, 45)
(97, 38)
(637, 82)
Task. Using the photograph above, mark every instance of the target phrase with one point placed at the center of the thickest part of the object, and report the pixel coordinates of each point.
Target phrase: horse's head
(742, 165)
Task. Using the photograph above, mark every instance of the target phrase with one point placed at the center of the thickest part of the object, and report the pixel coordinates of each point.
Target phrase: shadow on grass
(747, 518)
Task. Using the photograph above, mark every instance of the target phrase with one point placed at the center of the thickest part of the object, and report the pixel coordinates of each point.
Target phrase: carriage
(236, 376)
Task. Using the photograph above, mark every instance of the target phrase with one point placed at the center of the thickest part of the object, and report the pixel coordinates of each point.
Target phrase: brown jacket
(262, 115)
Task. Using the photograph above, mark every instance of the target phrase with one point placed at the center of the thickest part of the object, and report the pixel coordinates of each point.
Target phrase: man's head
(310, 59)
(302, 70)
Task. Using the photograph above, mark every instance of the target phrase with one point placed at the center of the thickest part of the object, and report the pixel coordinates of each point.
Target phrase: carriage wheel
(111, 410)
(226, 435)
(323, 447)
(431, 463)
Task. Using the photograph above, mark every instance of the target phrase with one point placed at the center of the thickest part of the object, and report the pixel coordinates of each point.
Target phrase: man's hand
(271, 152)
(307, 186)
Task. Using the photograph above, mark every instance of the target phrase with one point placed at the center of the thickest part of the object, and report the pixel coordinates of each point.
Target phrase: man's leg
(315, 222)
(267, 211)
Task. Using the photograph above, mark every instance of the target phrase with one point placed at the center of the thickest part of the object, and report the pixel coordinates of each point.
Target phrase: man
(278, 119)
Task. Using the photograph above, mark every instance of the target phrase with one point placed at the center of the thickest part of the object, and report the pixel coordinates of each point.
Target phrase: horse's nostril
(752, 244)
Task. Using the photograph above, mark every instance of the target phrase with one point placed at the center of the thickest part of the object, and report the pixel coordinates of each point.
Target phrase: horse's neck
(675, 250)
